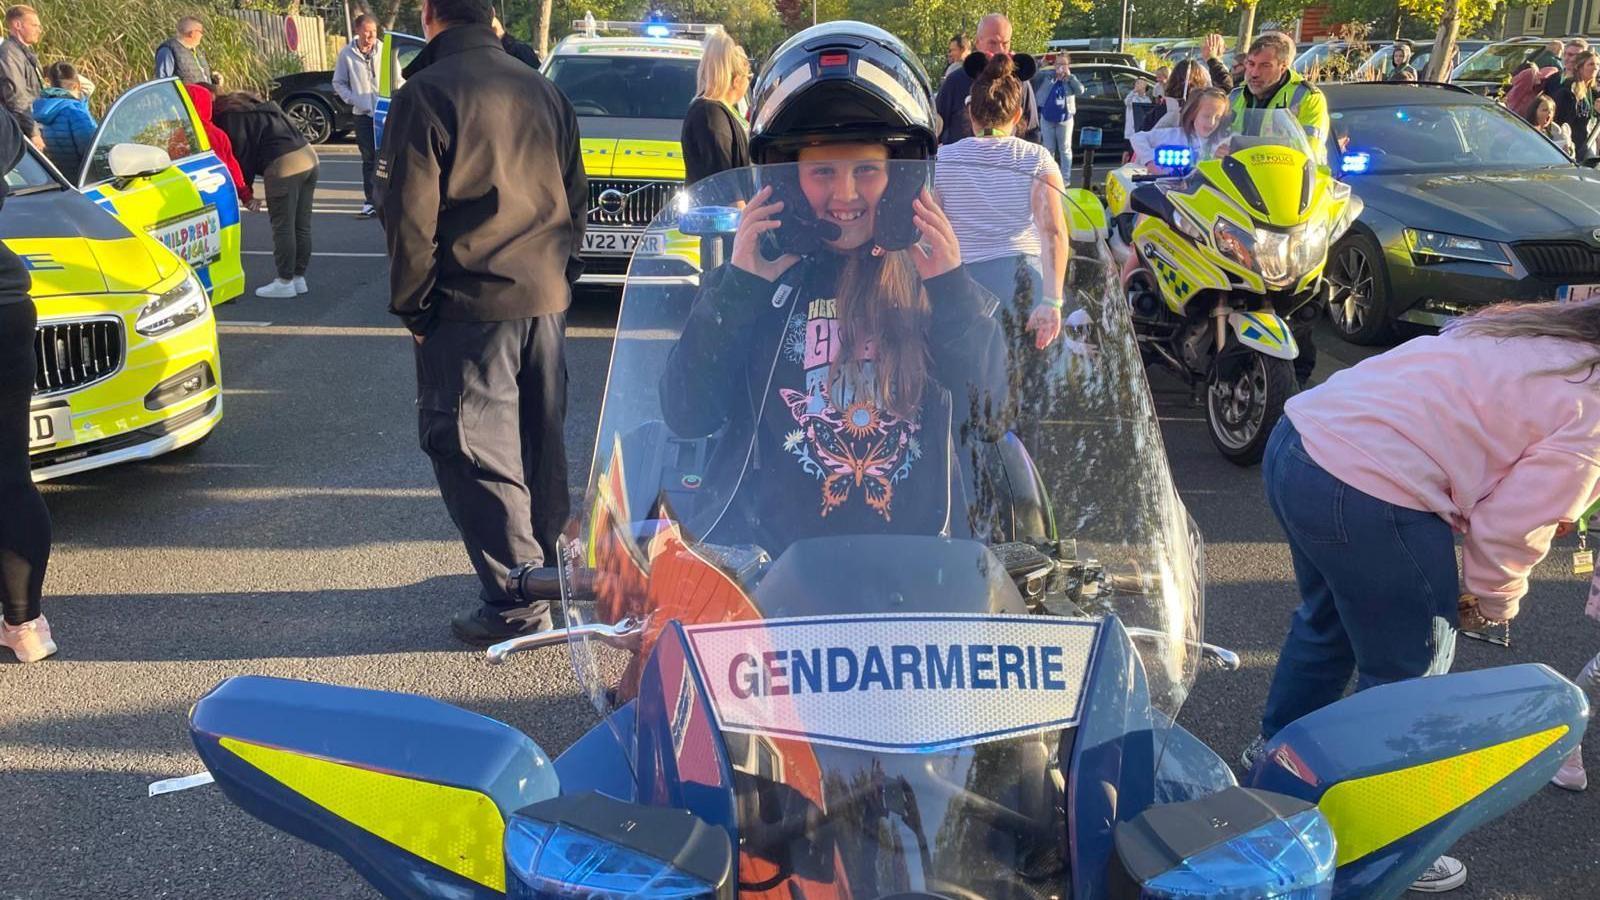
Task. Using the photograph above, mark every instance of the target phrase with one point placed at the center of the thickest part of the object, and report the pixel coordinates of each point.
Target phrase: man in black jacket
(483, 203)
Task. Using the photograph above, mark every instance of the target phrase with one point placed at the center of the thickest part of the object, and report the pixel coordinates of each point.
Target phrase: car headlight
(1436, 246)
(1235, 243)
(176, 308)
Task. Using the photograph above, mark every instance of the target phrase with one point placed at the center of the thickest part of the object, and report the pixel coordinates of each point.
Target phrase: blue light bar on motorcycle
(1286, 859)
(1355, 163)
(1174, 157)
(551, 861)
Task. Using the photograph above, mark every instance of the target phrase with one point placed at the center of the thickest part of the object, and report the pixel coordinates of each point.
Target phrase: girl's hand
(758, 218)
(1045, 323)
(938, 252)
(254, 205)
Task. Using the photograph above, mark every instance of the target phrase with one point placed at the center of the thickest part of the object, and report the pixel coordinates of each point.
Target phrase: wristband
(1052, 302)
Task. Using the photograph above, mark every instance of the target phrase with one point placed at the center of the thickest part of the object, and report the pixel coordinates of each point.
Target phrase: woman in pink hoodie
(1490, 430)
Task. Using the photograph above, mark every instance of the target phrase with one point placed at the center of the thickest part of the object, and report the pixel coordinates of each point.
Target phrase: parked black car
(1102, 106)
(309, 101)
(1466, 205)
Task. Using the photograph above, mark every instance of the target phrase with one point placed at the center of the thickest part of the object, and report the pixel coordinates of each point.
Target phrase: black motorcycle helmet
(842, 82)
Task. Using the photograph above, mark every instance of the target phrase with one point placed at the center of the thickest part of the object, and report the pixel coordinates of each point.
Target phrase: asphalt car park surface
(306, 540)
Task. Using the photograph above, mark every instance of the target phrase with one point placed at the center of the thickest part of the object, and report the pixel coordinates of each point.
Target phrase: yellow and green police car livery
(125, 272)
(630, 93)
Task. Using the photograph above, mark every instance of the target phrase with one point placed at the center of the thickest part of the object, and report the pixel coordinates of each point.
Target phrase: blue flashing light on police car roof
(655, 26)
(1174, 157)
(1356, 163)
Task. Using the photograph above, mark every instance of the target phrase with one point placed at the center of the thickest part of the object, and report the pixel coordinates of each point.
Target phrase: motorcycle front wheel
(1244, 399)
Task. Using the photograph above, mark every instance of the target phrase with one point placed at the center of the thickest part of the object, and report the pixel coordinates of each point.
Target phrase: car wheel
(312, 118)
(1359, 306)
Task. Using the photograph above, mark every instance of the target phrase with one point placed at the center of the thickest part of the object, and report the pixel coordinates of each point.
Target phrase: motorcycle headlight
(550, 860)
(1436, 246)
(176, 308)
(1272, 255)
(1235, 243)
(1308, 248)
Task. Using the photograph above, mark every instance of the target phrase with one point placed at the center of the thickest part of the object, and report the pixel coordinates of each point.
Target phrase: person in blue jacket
(1056, 110)
(64, 119)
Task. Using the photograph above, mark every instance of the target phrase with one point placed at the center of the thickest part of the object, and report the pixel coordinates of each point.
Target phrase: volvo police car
(630, 84)
(125, 272)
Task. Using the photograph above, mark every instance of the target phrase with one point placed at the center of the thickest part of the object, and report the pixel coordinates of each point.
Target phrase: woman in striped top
(1003, 197)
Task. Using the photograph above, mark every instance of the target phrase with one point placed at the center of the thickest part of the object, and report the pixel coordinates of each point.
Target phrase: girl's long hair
(1191, 107)
(1575, 322)
(882, 309)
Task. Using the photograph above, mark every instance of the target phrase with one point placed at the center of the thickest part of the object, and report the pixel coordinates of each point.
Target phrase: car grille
(606, 265)
(641, 200)
(69, 355)
(1562, 261)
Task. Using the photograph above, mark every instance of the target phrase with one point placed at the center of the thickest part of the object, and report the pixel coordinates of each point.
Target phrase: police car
(630, 84)
(127, 258)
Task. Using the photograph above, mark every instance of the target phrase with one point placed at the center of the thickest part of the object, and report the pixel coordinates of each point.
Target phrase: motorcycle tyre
(1280, 386)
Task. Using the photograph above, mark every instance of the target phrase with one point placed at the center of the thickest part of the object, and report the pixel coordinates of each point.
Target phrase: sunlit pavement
(307, 540)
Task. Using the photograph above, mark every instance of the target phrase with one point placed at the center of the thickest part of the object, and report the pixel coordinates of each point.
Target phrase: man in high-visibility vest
(1269, 83)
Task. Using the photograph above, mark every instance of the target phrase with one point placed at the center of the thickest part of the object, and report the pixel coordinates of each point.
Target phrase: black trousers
(24, 521)
(367, 142)
(1305, 336)
(491, 408)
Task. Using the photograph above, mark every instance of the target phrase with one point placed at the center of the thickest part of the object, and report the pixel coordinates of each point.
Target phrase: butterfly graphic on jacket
(860, 447)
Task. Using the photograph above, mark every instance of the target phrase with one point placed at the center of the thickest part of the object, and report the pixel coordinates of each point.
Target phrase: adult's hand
(1212, 47)
(1045, 323)
(939, 251)
(758, 218)
(254, 205)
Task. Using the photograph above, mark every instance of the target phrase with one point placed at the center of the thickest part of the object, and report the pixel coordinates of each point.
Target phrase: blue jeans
(1015, 281)
(1377, 586)
(1057, 138)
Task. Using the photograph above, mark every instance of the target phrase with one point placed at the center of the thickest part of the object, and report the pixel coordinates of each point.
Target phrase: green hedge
(113, 42)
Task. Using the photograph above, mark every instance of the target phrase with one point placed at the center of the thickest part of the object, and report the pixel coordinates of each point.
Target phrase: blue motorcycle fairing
(1404, 770)
(680, 754)
(1111, 775)
(598, 762)
(1188, 769)
(395, 784)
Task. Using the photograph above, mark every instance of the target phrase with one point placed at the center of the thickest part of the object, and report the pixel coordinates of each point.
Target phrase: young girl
(1003, 197)
(1544, 119)
(1199, 128)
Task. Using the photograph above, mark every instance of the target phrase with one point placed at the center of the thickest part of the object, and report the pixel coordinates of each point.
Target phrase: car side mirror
(129, 161)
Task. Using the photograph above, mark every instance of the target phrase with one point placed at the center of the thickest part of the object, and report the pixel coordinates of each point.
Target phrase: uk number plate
(621, 243)
(49, 426)
(1577, 293)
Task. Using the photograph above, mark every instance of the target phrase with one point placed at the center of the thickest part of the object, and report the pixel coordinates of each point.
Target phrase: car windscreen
(1493, 63)
(630, 87)
(1465, 137)
(30, 175)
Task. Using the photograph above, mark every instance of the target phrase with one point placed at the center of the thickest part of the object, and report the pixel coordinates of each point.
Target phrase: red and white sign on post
(291, 34)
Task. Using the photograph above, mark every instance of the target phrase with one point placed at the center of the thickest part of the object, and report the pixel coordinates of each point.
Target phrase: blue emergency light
(655, 26)
(1174, 157)
(1356, 163)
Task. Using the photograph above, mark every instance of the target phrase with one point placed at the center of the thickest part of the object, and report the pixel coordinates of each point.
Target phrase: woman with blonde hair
(715, 136)
(1575, 103)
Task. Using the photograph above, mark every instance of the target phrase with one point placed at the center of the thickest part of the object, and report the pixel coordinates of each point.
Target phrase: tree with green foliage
(1394, 18)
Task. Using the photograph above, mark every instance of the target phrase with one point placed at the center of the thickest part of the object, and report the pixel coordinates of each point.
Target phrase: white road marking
(351, 255)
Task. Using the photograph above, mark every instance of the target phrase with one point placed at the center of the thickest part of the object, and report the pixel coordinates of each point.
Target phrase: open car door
(399, 50)
(190, 206)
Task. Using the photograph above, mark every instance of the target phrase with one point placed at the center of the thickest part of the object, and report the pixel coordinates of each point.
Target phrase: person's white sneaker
(277, 289)
(30, 641)
(1571, 776)
(367, 211)
(300, 285)
(1446, 874)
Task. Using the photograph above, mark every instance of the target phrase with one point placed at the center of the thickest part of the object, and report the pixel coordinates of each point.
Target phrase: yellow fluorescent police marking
(1371, 813)
(451, 827)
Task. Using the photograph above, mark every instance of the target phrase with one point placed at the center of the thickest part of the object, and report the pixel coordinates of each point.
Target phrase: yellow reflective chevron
(1271, 328)
(453, 828)
(1371, 813)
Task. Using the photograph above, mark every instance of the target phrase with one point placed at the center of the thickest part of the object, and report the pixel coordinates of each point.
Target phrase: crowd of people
(484, 221)
(1554, 90)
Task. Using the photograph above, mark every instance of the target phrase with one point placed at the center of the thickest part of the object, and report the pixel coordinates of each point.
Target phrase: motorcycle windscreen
(855, 400)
